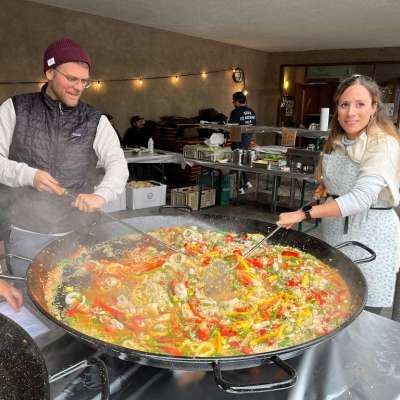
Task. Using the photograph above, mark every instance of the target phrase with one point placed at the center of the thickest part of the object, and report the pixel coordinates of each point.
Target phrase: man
(242, 115)
(51, 140)
(136, 134)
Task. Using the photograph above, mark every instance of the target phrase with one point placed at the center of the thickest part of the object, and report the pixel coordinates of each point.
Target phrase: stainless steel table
(160, 157)
(275, 173)
(361, 362)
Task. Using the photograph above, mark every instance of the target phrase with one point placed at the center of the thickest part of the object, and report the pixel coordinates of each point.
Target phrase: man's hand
(89, 202)
(12, 295)
(44, 182)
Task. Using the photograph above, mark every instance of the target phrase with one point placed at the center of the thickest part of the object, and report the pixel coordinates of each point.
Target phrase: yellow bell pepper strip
(305, 282)
(218, 342)
(243, 262)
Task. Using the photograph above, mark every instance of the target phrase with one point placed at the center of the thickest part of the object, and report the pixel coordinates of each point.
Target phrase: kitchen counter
(156, 157)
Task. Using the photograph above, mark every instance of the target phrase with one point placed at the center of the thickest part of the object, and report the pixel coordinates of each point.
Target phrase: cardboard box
(117, 205)
(235, 133)
(146, 197)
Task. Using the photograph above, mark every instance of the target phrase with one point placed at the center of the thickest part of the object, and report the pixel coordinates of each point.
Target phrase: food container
(249, 156)
(237, 157)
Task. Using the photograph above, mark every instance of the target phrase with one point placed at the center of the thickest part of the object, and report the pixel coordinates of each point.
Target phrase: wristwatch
(307, 212)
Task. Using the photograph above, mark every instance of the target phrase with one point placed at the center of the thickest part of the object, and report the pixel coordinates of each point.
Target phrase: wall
(316, 57)
(121, 50)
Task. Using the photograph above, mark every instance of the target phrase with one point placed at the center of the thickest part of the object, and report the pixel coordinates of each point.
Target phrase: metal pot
(249, 157)
(237, 156)
(43, 263)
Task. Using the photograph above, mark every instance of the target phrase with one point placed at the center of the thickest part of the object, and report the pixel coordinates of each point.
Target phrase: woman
(360, 171)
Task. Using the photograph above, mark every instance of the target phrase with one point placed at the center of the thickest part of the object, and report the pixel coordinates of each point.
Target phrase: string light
(137, 81)
(245, 92)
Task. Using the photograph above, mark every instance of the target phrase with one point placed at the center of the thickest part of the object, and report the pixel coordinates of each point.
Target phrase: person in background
(112, 122)
(360, 172)
(242, 115)
(136, 135)
(51, 140)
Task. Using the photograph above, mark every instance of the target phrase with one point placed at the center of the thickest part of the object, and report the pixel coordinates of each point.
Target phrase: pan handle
(9, 255)
(184, 208)
(12, 277)
(229, 387)
(95, 361)
(372, 257)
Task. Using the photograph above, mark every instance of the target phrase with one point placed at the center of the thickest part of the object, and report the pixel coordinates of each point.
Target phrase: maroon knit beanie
(62, 51)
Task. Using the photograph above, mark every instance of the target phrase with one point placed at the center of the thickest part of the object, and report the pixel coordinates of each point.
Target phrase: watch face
(237, 75)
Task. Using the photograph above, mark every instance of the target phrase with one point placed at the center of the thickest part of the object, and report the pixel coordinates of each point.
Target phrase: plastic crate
(190, 151)
(189, 196)
(289, 137)
(213, 155)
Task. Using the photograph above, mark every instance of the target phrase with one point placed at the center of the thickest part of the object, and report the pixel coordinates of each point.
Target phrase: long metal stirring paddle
(126, 225)
(217, 274)
(254, 248)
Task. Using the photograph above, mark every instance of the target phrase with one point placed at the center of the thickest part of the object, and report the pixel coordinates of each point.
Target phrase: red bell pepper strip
(290, 253)
(117, 314)
(136, 323)
(193, 304)
(171, 350)
(256, 262)
(73, 309)
(227, 332)
(203, 334)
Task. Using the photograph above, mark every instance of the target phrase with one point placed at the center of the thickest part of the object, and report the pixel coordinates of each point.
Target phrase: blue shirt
(243, 115)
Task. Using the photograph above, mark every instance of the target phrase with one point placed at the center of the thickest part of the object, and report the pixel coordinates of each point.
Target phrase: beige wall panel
(122, 50)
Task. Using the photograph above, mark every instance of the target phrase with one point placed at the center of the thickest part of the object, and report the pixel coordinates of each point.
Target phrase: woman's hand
(12, 295)
(89, 202)
(288, 219)
(320, 191)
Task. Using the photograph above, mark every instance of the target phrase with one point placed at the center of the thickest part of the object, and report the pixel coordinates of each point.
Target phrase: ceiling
(268, 25)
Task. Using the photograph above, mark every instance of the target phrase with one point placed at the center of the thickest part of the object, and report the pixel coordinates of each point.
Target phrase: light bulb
(140, 82)
(176, 78)
(204, 75)
(245, 92)
(98, 84)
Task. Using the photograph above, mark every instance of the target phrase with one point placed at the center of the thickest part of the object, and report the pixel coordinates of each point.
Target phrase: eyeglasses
(86, 83)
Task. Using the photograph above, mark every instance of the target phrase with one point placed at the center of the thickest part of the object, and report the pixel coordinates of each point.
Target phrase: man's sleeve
(234, 117)
(12, 173)
(111, 158)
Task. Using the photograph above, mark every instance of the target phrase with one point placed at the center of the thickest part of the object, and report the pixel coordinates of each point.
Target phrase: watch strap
(307, 211)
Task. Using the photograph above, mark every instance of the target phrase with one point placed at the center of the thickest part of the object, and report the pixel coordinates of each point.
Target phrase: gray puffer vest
(57, 139)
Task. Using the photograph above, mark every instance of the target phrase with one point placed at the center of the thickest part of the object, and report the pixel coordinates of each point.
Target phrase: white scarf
(378, 154)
